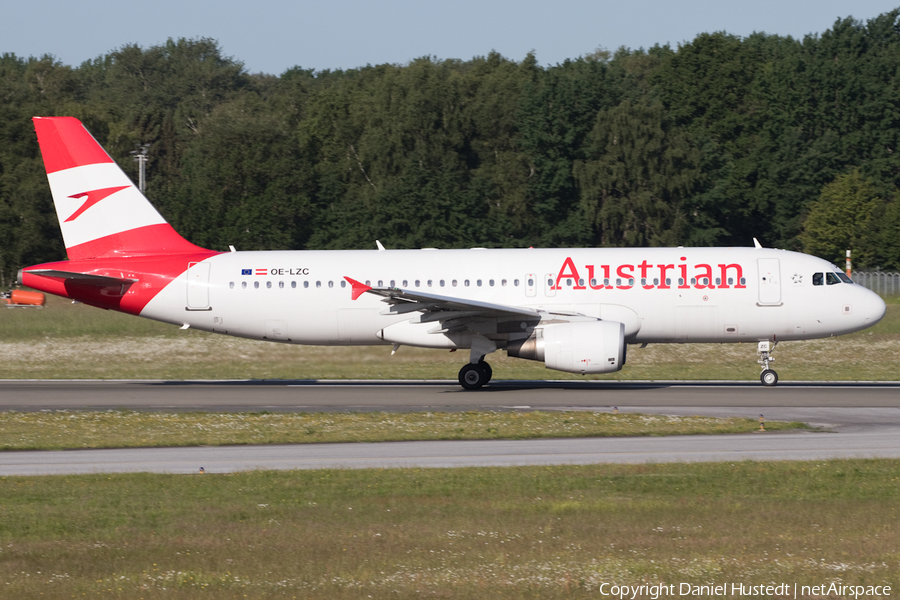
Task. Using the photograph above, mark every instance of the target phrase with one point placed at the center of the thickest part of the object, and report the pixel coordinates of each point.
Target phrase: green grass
(118, 429)
(66, 341)
(530, 532)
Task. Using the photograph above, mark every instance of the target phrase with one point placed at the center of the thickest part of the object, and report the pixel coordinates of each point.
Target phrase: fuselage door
(530, 285)
(550, 284)
(769, 281)
(198, 286)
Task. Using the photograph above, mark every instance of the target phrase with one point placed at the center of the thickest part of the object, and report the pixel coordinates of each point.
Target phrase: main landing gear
(768, 377)
(477, 373)
(473, 376)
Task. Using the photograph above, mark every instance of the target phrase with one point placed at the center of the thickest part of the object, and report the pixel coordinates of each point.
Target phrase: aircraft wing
(443, 308)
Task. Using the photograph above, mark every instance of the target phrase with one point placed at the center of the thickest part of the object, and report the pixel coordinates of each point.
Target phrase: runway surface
(443, 395)
(857, 420)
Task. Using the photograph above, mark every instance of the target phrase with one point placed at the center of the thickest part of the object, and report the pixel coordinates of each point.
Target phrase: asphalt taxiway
(854, 420)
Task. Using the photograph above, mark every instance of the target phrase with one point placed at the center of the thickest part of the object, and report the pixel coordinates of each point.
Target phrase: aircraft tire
(488, 371)
(472, 377)
(768, 377)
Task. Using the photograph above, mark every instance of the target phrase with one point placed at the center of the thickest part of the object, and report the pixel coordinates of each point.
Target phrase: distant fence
(886, 284)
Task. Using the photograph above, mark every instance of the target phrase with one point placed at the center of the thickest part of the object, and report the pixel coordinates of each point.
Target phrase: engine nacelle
(582, 347)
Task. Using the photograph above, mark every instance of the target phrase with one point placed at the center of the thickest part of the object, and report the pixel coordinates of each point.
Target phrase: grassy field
(532, 532)
(66, 341)
(121, 429)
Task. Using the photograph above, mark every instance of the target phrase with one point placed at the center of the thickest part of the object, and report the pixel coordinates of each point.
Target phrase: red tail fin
(100, 211)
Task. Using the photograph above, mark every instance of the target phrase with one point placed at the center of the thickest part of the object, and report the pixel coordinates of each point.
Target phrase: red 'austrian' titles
(651, 276)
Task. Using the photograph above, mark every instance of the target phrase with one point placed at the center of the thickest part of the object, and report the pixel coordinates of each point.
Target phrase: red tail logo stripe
(93, 198)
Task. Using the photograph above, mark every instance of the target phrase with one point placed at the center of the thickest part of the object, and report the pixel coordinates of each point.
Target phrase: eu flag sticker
(246, 271)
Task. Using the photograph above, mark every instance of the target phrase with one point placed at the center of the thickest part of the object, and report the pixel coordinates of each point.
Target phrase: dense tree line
(723, 139)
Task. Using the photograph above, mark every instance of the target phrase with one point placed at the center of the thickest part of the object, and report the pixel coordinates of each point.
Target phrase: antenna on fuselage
(756, 243)
(380, 247)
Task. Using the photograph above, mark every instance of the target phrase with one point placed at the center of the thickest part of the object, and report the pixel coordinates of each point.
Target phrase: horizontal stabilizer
(83, 278)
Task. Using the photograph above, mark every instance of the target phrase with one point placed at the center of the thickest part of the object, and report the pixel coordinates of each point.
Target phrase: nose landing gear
(768, 377)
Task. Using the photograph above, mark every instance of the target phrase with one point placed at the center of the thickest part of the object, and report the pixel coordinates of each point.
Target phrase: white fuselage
(660, 294)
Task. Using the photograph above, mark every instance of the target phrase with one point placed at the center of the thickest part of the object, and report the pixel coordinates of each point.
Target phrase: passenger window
(466, 283)
(331, 284)
(231, 285)
(442, 283)
(569, 282)
(306, 284)
(417, 283)
(393, 283)
(269, 285)
(256, 285)
(818, 278)
(503, 282)
(380, 283)
(244, 285)
(831, 279)
(344, 283)
(429, 283)
(594, 281)
(318, 284)
(516, 282)
(478, 283)
(293, 285)
(530, 282)
(491, 282)
(405, 283)
(453, 283)
(281, 285)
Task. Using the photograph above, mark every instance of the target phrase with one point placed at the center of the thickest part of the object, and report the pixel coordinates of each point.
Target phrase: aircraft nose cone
(873, 308)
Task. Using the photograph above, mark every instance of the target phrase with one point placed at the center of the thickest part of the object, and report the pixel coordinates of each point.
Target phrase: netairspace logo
(795, 590)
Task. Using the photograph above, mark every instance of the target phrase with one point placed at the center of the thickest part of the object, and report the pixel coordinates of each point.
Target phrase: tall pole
(849, 274)
(141, 157)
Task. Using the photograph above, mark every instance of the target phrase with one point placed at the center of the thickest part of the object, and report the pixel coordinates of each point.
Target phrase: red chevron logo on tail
(93, 197)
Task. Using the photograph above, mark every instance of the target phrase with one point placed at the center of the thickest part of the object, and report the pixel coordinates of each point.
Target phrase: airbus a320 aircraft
(573, 309)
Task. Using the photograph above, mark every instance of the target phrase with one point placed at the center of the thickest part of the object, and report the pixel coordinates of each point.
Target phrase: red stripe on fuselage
(65, 143)
(152, 272)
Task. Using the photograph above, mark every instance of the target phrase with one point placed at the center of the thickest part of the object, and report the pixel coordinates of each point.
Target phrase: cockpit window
(843, 277)
(817, 278)
(831, 278)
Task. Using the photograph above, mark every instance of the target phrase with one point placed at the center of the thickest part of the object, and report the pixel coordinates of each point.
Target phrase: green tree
(888, 234)
(842, 219)
(639, 176)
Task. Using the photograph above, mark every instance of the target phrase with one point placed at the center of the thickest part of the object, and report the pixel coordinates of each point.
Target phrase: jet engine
(579, 347)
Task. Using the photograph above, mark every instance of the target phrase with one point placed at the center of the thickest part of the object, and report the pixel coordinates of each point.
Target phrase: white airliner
(573, 309)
